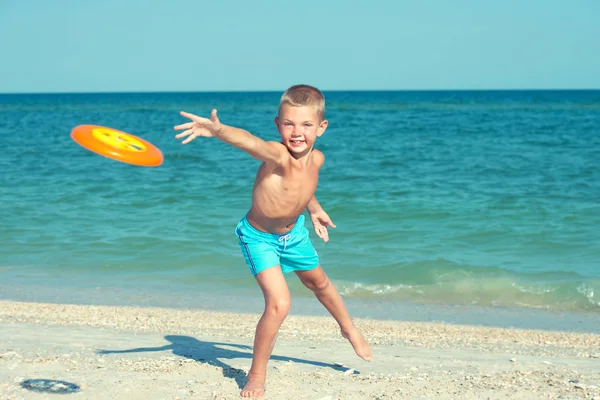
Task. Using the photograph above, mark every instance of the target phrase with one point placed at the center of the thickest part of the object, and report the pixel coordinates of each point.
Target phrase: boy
(272, 235)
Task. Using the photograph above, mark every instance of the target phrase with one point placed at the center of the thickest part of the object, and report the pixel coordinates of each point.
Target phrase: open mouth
(297, 142)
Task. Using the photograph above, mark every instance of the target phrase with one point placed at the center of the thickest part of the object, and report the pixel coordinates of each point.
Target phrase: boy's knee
(279, 307)
(319, 285)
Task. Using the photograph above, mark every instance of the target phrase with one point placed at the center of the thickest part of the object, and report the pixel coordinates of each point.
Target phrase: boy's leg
(317, 281)
(277, 306)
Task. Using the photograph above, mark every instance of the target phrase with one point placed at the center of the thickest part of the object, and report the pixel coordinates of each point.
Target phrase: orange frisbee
(117, 145)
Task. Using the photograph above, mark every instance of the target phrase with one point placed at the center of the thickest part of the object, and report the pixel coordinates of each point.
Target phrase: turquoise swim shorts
(292, 250)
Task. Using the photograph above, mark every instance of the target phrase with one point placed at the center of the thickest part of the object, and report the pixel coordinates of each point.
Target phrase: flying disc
(117, 145)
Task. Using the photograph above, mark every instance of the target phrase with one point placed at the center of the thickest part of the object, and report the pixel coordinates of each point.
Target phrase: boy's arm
(240, 138)
(313, 205)
(253, 145)
(319, 218)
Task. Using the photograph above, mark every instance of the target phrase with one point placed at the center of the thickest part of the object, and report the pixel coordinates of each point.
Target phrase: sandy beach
(105, 352)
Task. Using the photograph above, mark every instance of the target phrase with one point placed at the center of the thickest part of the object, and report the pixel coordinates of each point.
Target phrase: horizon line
(323, 90)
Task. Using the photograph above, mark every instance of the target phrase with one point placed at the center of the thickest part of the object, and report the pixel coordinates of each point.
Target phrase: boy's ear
(322, 127)
(277, 122)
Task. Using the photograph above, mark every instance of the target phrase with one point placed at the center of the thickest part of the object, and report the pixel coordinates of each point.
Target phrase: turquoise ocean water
(485, 198)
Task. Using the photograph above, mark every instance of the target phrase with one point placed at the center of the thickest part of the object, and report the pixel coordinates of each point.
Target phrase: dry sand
(160, 353)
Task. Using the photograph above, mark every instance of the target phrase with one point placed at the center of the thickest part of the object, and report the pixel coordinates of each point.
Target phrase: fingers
(188, 115)
(321, 232)
(187, 125)
(184, 133)
(213, 115)
(193, 129)
(189, 139)
(195, 118)
(327, 222)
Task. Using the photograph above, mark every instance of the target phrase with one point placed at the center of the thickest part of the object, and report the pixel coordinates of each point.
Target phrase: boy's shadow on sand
(213, 352)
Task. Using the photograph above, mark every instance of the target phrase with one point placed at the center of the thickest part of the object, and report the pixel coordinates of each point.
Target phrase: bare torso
(281, 193)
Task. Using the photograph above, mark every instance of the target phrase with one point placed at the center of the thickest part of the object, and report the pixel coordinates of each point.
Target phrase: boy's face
(299, 128)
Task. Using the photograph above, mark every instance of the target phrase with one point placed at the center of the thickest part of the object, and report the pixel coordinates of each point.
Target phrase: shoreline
(133, 352)
(249, 300)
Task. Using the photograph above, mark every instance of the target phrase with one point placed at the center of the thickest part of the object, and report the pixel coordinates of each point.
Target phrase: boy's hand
(321, 221)
(198, 127)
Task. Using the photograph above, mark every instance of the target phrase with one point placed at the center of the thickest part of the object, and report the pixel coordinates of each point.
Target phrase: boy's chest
(298, 182)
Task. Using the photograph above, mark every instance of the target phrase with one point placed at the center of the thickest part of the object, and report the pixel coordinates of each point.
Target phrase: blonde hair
(304, 95)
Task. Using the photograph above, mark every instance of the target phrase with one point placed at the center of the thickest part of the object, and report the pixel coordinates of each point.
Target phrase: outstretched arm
(319, 218)
(244, 140)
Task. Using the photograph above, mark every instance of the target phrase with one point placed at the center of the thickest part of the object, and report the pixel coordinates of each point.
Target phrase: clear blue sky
(195, 45)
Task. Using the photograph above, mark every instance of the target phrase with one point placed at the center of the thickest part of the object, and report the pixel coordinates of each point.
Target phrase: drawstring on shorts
(284, 239)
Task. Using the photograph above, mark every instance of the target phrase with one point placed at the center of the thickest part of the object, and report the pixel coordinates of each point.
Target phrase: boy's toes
(252, 393)
(255, 388)
(360, 345)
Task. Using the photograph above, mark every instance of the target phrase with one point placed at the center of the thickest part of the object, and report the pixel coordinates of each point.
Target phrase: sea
(479, 207)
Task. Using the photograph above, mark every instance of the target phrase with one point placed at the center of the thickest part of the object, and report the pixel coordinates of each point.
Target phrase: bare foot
(255, 386)
(360, 345)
